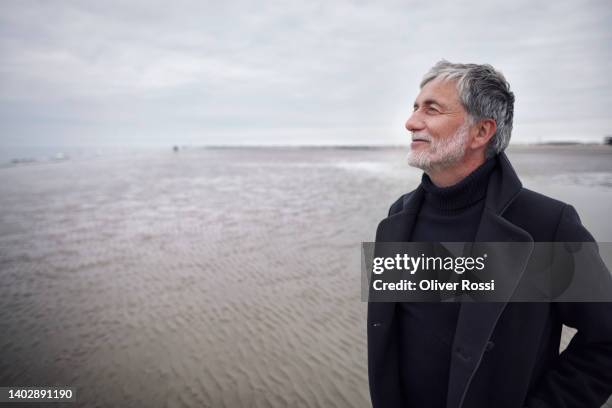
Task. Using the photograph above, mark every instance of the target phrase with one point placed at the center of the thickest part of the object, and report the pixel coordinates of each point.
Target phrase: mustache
(421, 136)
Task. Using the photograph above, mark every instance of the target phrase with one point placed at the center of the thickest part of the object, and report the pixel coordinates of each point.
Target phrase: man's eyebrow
(429, 102)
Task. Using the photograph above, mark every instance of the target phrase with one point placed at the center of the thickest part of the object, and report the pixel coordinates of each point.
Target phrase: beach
(217, 277)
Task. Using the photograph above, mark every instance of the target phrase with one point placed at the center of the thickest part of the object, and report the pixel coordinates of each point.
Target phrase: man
(467, 355)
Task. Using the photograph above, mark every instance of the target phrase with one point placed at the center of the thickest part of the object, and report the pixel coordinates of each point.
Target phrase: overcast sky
(314, 72)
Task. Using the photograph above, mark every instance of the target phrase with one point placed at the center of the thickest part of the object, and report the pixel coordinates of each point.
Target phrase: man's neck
(449, 176)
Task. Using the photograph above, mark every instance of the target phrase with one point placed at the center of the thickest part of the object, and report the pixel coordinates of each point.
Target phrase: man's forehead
(438, 91)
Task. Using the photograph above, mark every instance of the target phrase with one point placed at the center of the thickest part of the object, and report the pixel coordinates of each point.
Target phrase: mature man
(453, 355)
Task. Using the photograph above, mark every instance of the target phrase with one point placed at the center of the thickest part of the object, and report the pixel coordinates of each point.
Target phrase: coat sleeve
(582, 374)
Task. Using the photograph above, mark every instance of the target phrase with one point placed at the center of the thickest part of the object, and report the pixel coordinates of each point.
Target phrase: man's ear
(485, 129)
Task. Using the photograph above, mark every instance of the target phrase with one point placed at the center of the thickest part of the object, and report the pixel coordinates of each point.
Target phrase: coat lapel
(477, 321)
(395, 228)
(381, 341)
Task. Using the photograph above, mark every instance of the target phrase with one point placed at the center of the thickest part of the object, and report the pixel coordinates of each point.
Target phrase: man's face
(439, 127)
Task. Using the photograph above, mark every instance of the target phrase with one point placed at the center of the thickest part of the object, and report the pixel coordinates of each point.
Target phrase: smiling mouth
(420, 140)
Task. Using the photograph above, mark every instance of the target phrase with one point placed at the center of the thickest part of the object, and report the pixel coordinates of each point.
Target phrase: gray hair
(484, 93)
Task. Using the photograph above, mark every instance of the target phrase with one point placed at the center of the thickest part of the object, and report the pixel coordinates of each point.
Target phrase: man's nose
(414, 123)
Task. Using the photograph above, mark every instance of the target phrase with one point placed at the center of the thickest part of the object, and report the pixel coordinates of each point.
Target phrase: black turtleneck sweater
(449, 214)
(452, 214)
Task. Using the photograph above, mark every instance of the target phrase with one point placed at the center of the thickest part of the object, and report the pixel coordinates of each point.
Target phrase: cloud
(242, 72)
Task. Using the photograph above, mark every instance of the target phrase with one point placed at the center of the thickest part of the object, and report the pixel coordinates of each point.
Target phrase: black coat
(504, 355)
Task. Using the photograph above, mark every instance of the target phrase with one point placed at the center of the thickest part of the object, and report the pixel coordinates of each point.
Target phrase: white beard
(440, 154)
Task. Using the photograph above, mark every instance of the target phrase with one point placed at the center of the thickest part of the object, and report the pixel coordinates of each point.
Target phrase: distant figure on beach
(175, 149)
(480, 355)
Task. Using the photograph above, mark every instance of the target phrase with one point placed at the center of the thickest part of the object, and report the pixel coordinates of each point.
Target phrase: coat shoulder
(538, 202)
(398, 205)
(545, 218)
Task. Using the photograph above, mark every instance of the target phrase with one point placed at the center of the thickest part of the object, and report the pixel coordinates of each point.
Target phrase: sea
(215, 277)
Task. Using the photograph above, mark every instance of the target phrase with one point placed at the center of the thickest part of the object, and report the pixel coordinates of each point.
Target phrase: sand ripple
(205, 278)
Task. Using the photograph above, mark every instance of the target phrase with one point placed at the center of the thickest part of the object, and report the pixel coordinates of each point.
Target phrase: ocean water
(215, 277)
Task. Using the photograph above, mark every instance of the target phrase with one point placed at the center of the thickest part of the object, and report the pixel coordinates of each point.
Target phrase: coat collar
(476, 321)
(503, 187)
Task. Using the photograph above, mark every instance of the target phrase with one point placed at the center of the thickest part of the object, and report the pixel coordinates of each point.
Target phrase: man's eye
(432, 110)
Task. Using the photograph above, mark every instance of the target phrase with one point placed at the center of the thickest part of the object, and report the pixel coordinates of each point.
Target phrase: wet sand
(215, 277)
